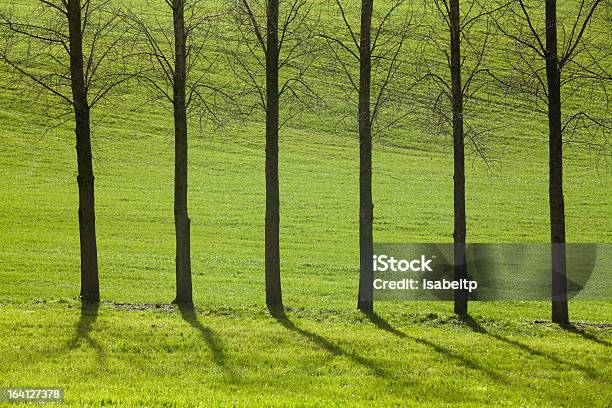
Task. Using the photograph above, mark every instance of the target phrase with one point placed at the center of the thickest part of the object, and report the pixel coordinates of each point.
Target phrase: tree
(286, 58)
(181, 216)
(383, 54)
(366, 206)
(457, 90)
(171, 69)
(572, 62)
(73, 41)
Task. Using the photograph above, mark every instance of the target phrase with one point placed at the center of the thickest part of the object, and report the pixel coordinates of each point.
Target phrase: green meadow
(137, 350)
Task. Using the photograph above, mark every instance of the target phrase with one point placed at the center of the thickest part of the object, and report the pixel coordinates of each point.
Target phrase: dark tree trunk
(365, 301)
(181, 216)
(555, 183)
(90, 289)
(459, 234)
(272, 251)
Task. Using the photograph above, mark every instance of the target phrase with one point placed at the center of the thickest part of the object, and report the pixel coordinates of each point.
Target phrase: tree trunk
(365, 301)
(181, 216)
(90, 289)
(459, 234)
(555, 184)
(272, 251)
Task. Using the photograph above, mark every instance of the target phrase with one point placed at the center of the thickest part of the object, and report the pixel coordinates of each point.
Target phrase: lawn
(157, 355)
(137, 350)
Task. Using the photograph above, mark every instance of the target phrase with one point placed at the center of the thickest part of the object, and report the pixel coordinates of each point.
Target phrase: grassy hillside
(322, 350)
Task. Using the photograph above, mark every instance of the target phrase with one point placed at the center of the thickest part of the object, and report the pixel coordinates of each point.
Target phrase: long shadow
(588, 336)
(382, 324)
(476, 327)
(283, 319)
(188, 314)
(89, 314)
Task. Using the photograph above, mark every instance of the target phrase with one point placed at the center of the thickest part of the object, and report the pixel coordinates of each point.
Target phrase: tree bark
(459, 234)
(90, 289)
(555, 184)
(365, 300)
(272, 249)
(181, 216)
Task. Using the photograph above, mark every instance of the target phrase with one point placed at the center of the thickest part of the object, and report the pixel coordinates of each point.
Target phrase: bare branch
(572, 47)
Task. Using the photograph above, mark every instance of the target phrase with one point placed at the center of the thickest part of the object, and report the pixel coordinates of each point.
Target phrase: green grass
(129, 356)
(323, 352)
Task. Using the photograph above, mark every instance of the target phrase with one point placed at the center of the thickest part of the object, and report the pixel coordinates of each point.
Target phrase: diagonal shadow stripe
(467, 362)
(476, 327)
(280, 316)
(212, 339)
(587, 336)
(84, 327)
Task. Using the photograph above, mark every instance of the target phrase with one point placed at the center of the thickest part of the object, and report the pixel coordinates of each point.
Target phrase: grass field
(136, 350)
(128, 356)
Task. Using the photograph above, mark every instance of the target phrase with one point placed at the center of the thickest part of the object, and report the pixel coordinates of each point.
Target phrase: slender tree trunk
(366, 207)
(555, 184)
(181, 216)
(90, 289)
(272, 250)
(459, 234)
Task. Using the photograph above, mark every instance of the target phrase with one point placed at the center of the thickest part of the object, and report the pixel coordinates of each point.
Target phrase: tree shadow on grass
(188, 314)
(476, 327)
(89, 314)
(588, 336)
(382, 324)
(335, 350)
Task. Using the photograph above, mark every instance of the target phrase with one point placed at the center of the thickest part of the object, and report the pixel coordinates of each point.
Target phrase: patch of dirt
(163, 307)
(577, 325)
